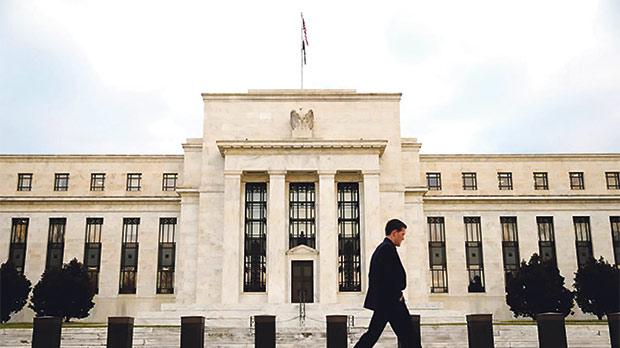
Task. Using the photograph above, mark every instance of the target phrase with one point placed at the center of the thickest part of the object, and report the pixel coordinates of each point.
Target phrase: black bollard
(551, 330)
(613, 322)
(192, 332)
(46, 332)
(265, 331)
(480, 330)
(120, 332)
(337, 331)
(415, 331)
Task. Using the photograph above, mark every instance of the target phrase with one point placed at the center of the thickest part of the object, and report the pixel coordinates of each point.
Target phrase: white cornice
(522, 198)
(266, 146)
(519, 157)
(89, 158)
(87, 199)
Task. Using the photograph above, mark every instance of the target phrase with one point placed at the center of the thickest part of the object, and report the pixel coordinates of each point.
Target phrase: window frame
(21, 177)
(470, 176)
(17, 244)
(55, 241)
(58, 177)
(580, 185)
(166, 177)
(503, 186)
(94, 185)
(166, 245)
(255, 242)
(92, 241)
(128, 279)
(545, 178)
(436, 176)
(437, 242)
(349, 245)
(583, 239)
(296, 206)
(130, 182)
(615, 176)
(473, 242)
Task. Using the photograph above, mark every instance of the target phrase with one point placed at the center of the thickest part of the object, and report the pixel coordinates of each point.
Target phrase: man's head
(395, 231)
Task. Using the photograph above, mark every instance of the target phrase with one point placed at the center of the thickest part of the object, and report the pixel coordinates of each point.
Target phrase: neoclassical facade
(283, 200)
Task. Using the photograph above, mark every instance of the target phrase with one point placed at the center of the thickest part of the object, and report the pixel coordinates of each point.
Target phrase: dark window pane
(349, 259)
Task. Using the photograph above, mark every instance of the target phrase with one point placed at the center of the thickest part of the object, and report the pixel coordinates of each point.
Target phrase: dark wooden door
(302, 282)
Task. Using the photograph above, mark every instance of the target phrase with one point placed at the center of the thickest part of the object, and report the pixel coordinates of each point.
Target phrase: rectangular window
(546, 239)
(61, 182)
(301, 221)
(469, 181)
(24, 182)
(166, 256)
(504, 181)
(255, 241)
(55, 243)
(129, 256)
(169, 182)
(473, 253)
(615, 237)
(583, 240)
(133, 181)
(97, 181)
(541, 181)
(613, 180)
(510, 244)
(349, 251)
(433, 181)
(437, 254)
(17, 249)
(576, 181)
(92, 250)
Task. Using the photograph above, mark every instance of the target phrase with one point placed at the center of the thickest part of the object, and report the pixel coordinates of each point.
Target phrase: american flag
(303, 27)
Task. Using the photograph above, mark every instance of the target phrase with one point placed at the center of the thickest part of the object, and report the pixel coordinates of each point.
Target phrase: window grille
(302, 214)
(255, 240)
(437, 254)
(349, 254)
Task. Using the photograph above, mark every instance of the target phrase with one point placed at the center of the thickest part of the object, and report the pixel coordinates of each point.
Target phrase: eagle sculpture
(307, 121)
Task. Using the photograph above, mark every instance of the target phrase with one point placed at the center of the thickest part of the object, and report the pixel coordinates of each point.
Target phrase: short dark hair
(394, 224)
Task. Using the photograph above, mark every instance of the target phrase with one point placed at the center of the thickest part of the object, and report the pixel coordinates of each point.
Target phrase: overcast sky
(476, 76)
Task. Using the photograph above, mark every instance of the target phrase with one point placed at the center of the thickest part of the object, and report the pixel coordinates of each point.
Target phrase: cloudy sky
(476, 76)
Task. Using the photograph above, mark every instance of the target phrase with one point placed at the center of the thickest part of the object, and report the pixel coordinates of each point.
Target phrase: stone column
(327, 238)
(277, 238)
(232, 242)
(187, 246)
(373, 232)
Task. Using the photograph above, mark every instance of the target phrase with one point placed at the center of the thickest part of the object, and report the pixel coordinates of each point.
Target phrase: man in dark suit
(386, 282)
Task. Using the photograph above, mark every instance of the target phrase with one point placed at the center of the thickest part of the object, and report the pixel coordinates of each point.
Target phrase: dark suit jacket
(386, 278)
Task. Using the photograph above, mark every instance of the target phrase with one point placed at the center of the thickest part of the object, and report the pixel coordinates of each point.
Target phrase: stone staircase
(433, 336)
(287, 315)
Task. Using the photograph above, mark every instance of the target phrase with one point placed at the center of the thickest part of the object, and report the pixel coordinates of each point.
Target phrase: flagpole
(301, 51)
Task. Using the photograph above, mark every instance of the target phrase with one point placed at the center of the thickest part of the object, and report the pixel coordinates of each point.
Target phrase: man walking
(386, 282)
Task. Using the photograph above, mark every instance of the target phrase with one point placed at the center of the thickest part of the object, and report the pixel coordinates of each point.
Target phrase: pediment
(302, 250)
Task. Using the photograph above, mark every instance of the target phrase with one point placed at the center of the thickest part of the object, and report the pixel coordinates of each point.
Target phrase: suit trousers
(400, 321)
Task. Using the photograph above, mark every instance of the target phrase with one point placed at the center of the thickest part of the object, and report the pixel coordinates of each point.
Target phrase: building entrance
(302, 282)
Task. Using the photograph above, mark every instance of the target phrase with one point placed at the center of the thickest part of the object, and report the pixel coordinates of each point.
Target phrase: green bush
(65, 292)
(537, 287)
(14, 290)
(597, 288)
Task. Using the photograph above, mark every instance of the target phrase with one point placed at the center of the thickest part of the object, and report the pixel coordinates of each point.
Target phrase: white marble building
(283, 200)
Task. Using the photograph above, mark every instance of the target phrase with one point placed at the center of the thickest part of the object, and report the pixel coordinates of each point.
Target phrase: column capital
(233, 172)
(326, 172)
(368, 172)
(276, 172)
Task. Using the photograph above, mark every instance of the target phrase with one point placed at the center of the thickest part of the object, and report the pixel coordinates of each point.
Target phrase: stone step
(433, 336)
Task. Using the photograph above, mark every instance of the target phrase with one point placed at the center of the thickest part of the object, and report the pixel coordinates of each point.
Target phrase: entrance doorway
(302, 282)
